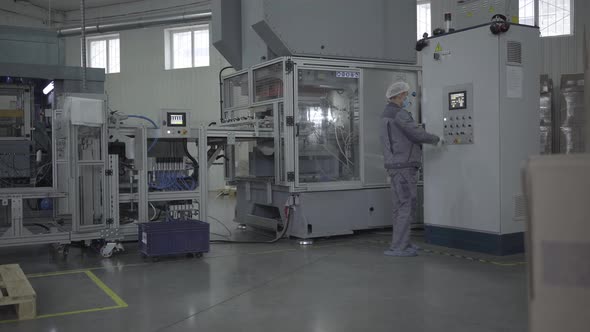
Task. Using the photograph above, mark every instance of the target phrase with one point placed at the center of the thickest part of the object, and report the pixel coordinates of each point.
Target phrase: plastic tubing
(150, 121)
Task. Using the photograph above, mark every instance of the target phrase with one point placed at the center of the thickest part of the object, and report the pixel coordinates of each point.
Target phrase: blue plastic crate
(173, 238)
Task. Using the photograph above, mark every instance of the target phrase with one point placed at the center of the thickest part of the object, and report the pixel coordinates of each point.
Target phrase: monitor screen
(458, 100)
(176, 119)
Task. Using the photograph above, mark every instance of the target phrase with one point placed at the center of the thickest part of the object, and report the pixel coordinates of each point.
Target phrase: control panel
(175, 123)
(458, 118)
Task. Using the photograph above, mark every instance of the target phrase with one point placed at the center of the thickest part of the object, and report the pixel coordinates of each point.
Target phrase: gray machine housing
(248, 32)
(472, 192)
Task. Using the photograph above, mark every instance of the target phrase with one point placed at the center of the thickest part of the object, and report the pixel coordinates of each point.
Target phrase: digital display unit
(176, 119)
(458, 100)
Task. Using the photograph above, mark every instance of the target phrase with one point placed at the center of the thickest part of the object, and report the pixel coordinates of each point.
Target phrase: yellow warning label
(492, 9)
(469, 14)
(438, 48)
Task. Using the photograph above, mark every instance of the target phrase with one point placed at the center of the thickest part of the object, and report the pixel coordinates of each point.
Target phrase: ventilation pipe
(83, 32)
(137, 24)
(587, 84)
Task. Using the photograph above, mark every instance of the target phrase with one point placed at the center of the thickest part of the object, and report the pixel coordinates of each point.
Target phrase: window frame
(419, 3)
(536, 18)
(169, 38)
(106, 38)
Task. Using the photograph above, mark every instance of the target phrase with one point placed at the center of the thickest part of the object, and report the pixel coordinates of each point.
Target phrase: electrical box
(85, 111)
(175, 123)
(481, 93)
(15, 161)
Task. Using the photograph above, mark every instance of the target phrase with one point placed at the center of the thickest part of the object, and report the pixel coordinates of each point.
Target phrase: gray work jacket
(401, 137)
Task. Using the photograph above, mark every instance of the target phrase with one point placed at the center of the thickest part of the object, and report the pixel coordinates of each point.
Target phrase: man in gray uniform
(402, 138)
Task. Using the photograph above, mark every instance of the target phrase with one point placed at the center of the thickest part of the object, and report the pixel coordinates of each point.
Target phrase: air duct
(83, 33)
(137, 24)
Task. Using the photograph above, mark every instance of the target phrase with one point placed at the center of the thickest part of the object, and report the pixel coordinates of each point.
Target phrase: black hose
(193, 160)
(42, 226)
(221, 91)
(279, 237)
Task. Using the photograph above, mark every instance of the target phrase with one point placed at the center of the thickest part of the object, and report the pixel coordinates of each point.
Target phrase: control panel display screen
(458, 100)
(176, 119)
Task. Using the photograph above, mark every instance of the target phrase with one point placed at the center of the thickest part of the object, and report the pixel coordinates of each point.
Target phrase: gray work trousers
(404, 187)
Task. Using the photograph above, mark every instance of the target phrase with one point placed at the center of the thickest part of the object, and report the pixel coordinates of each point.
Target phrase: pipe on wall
(136, 24)
(586, 59)
(83, 32)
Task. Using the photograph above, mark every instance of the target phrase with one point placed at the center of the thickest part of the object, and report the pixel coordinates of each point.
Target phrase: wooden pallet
(15, 289)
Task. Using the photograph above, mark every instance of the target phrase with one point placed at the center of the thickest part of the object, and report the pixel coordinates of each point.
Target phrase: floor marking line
(106, 289)
(59, 314)
(103, 287)
(56, 273)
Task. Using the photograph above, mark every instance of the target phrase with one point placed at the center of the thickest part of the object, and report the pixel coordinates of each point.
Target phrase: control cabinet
(458, 114)
(481, 93)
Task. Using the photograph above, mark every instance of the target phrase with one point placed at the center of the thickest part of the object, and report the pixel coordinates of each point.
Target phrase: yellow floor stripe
(106, 289)
(59, 314)
(118, 301)
(56, 273)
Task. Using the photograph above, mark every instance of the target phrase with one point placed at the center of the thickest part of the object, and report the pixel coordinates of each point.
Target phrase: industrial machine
(481, 94)
(71, 171)
(156, 170)
(301, 115)
(52, 159)
(305, 132)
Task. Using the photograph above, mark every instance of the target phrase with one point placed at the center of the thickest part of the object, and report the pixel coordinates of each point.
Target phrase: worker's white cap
(397, 88)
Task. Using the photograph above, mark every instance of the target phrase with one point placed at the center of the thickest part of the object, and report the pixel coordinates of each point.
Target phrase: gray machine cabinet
(249, 32)
(472, 191)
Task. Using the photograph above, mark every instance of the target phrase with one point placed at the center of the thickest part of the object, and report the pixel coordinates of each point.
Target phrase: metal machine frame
(70, 196)
(254, 192)
(143, 196)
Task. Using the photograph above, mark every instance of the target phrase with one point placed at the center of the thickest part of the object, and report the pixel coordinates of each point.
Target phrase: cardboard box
(557, 190)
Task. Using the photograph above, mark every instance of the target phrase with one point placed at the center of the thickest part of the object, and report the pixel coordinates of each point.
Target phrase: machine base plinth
(494, 244)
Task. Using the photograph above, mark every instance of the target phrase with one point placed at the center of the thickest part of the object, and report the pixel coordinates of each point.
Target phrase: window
(554, 16)
(187, 47)
(104, 52)
(423, 18)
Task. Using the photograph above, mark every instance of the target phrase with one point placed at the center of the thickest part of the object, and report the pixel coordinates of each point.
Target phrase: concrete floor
(339, 284)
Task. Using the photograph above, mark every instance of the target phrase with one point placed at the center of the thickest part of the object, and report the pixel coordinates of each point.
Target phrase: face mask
(406, 102)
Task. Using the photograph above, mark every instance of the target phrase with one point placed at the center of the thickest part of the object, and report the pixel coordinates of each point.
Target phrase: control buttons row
(458, 126)
(458, 118)
(458, 141)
